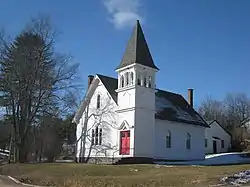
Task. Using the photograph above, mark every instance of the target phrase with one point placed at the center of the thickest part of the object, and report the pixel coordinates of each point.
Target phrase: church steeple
(137, 50)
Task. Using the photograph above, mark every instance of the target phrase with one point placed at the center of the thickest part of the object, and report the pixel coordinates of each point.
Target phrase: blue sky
(200, 44)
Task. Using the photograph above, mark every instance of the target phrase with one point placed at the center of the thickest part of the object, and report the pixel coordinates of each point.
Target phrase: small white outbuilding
(217, 139)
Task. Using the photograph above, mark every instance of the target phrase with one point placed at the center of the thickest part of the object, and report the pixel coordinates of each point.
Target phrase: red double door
(124, 142)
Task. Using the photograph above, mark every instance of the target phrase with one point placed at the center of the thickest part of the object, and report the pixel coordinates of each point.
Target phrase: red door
(124, 142)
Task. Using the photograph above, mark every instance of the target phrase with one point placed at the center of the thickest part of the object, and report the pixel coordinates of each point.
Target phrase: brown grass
(86, 175)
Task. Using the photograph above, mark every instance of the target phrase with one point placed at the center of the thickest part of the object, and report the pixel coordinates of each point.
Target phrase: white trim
(135, 64)
(124, 124)
(129, 87)
(125, 109)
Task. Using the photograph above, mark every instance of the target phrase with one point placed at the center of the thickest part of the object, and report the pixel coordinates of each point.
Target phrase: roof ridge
(168, 92)
(106, 76)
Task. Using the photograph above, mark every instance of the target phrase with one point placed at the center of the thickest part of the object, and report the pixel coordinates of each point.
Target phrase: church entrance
(125, 142)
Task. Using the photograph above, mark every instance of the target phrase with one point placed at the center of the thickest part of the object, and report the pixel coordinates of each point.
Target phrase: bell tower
(136, 93)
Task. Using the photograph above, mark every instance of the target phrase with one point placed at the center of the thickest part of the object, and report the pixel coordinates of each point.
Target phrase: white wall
(178, 149)
(217, 131)
(108, 118)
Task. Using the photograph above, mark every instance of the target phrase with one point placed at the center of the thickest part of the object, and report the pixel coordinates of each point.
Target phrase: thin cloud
(124, 13)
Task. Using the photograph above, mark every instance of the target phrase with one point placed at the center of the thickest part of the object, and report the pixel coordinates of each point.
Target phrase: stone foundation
(108, 160)
(98, 160)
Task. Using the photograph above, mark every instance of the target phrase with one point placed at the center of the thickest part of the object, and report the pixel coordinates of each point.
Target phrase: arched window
(168, 140)
(131, 78)
(98, 102)
(149, 82)
(145, 82)
(93, 137)
(96, 136)
(188, 141)
(126, 78)
(139, 80)
(122, 81)
(100, 136)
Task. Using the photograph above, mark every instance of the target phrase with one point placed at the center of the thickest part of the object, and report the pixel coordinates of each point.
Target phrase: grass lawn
(86, 175)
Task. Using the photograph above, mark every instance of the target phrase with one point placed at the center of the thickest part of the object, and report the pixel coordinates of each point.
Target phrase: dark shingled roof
(173, 107)
(137, 50)
(111, 85)
(169, 106)
(210, 122)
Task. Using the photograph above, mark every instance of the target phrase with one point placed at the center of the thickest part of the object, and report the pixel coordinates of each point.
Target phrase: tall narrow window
(122, 81)
(93, 137)
(100, 136)
(145, 82)
(139, 81)
(222, 144)
(96, 136)
(149, 82)
(98, 103)
(131, 78)
(168, 140)
(205, 142)
(188, 141)
(127, 79)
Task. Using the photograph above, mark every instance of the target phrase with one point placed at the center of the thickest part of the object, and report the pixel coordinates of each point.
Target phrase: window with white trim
(122, 81)
(188, 141)
(98, 101)
(131, 78)
(96, 136)
(168, 140)
(150, 82)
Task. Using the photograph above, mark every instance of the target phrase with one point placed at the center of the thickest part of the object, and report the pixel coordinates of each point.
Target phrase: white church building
(128, 119)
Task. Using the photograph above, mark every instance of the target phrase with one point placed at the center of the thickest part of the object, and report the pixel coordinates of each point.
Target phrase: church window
(188, 141)
(131, 78)
(127, 78)
(168, 140)
(98, 102)
(96, 136)
(149, 82)
(139, 80)
(100, 136)
(145, 82)
(93, 137)
(122, 81)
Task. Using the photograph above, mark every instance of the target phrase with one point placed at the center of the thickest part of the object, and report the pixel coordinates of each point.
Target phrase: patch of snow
(237, 179)
(218, 159)
(162, 103)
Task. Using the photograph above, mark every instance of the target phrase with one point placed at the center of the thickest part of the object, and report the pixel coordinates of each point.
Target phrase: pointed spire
(137, 50)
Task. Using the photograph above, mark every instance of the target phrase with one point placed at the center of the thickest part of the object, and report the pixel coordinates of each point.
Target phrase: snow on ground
(238, 179)
(215, 159)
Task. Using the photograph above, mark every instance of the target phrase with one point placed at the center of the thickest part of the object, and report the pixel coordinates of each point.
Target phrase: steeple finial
(137, 50)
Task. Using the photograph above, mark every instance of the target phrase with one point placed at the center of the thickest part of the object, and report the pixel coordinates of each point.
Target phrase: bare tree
(212, 109)
(35, 80)
(233, 113)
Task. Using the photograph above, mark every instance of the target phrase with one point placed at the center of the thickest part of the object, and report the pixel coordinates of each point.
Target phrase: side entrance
(125, 142)
(214, 146)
